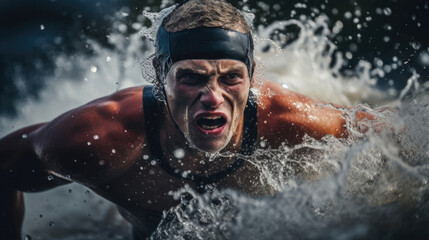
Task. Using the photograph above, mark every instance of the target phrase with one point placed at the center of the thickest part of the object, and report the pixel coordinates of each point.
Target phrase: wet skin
(117, 163)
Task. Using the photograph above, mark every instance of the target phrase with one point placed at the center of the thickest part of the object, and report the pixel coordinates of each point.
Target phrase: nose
(212, 97)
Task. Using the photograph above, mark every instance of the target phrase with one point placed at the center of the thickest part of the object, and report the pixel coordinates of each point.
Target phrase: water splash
(365, 186)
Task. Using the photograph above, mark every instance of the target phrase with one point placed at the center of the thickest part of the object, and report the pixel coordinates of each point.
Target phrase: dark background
(389, 29)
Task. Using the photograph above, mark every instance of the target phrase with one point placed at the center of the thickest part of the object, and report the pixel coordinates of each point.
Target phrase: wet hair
(205, 13)
(201, 13)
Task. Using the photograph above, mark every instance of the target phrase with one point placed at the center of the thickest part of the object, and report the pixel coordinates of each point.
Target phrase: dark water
(388, 30)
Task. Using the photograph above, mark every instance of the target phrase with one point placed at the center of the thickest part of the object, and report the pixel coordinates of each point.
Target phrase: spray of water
(370, 185)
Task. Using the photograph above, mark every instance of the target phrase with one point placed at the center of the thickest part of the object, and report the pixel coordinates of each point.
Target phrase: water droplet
(51, 223)
(424, 60)
(87, 192)
(153, 162)
(387, 11)
(125, 14)
(101, 162)
(27, 237)
(415, 45)
(379, 11)
(50, 177)
(145, 157)
(70, 191)
(113, 151)
(93, 69)
(348, 15)
(108, 59)
(42, 27)
(122, 28)
(41, 215)
(24, 136)
(185, 174)
(179, 153)
(95, 137)
(349, 55)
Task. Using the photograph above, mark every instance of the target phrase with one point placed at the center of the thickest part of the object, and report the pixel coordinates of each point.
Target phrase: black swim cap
(203, 43)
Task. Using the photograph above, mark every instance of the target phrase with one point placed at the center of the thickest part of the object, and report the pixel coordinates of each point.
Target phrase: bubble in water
(93, 69)
(50, 177)
(108, 59)
(145, 157)
(95, 137)
(42, 27)
(179, 153)
(51, 223)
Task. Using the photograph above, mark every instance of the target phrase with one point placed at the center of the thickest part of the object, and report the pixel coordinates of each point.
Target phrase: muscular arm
(286, 116)
(20, 170)
(91, 144)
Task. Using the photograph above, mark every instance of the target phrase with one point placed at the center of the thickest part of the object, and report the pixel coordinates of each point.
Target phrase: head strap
(203, 43)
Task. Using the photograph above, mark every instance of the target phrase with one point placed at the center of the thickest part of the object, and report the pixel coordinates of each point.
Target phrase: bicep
(21, 168)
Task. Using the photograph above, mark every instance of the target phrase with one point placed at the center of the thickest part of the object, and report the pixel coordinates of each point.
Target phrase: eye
(232, 78)
(190, 78)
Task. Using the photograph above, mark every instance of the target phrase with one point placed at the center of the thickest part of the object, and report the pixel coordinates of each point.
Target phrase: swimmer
(133, 149)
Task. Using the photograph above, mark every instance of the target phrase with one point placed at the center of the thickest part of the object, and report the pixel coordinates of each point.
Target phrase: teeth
(212, 118)
(209, 127)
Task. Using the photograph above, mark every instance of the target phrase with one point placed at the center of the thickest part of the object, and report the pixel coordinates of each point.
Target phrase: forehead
(200, 65)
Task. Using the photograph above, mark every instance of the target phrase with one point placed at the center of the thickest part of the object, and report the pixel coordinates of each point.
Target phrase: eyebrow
(235, 68)
(182, 71)
(204, 72)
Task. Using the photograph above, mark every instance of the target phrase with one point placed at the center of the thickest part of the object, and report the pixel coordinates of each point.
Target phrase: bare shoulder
(286, 116)
(95, 142)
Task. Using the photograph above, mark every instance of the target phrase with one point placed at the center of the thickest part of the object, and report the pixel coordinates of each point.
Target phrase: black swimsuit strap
(151, 116)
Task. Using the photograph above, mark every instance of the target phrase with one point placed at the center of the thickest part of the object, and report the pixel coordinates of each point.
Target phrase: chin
(210, 145)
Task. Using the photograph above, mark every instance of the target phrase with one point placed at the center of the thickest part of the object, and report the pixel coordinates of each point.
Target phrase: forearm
(11, 212)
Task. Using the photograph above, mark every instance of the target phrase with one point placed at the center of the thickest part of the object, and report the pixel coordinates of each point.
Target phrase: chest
(146, 185)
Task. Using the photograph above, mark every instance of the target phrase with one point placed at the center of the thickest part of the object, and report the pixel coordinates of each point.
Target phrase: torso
(122, 168)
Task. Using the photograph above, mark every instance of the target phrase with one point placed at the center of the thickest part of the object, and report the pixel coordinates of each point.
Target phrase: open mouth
(211, 122)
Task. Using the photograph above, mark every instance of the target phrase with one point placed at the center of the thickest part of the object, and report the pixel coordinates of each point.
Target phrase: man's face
(207, 99)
